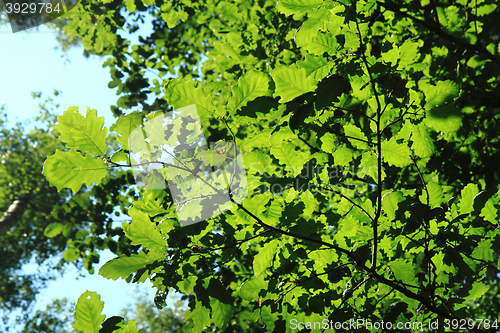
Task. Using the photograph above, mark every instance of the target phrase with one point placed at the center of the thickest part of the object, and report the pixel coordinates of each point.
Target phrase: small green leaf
(88, 317)
(484, 251)
(119, 156)
(200, 316)
(477, 291)
(187, 284)
(53, 229)
(72, 170)
(125, 125)
(86, 134)
(70, 255)
(342, 156)
(297, 7)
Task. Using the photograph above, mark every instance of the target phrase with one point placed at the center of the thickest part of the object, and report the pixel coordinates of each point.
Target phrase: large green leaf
(423, 145)
(86, 134)
(88, 317)
(181, 93)
(315, 66)
(142, 231)
(287, 155)
(397, 154)
(122, 267)
(469, 193)
(264, 259)
(250, 289)
(292, 82)
(254, 84)
(298, 7)
(221, 312)
(72, 170)
(403, 271)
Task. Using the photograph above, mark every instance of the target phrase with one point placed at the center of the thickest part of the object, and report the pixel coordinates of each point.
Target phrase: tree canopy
(368, 131)
(42, 226)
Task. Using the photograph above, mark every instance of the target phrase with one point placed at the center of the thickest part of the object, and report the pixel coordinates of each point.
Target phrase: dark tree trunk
(13, 214)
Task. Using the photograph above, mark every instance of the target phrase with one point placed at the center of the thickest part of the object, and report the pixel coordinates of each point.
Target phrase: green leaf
(125, 125)
(53, 229)
(316, 66)
(254, 84)
(423, 145)
(288, 156)
(70, 255)
(86, 134)
(88, 317)
(477, 291)
(250, 289)
(119, 156)
(435, 195)
(322, 43)
(397, 154)
(467, 198)
(264, 259)
(186, 92)
(490, 209)
(130, 4)
(292, 82)
(409, 54)
(122, 267)
(441, 114)
(221, 312)
(187, 284)
(403, 271)
(342, 156)
(72, 170)
(356, 136)
(441, 94)
(392, 55)
(297, 7)
(200, 316)
(390, 203)
(484, 251)
(142, 231)
(328, 143)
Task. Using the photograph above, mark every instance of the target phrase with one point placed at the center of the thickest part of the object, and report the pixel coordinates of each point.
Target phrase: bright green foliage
(88, 317)
(370, 133)
(72, 170)
(83, 133)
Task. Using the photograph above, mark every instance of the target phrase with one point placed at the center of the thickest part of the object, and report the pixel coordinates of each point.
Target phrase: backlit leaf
(72, 170)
